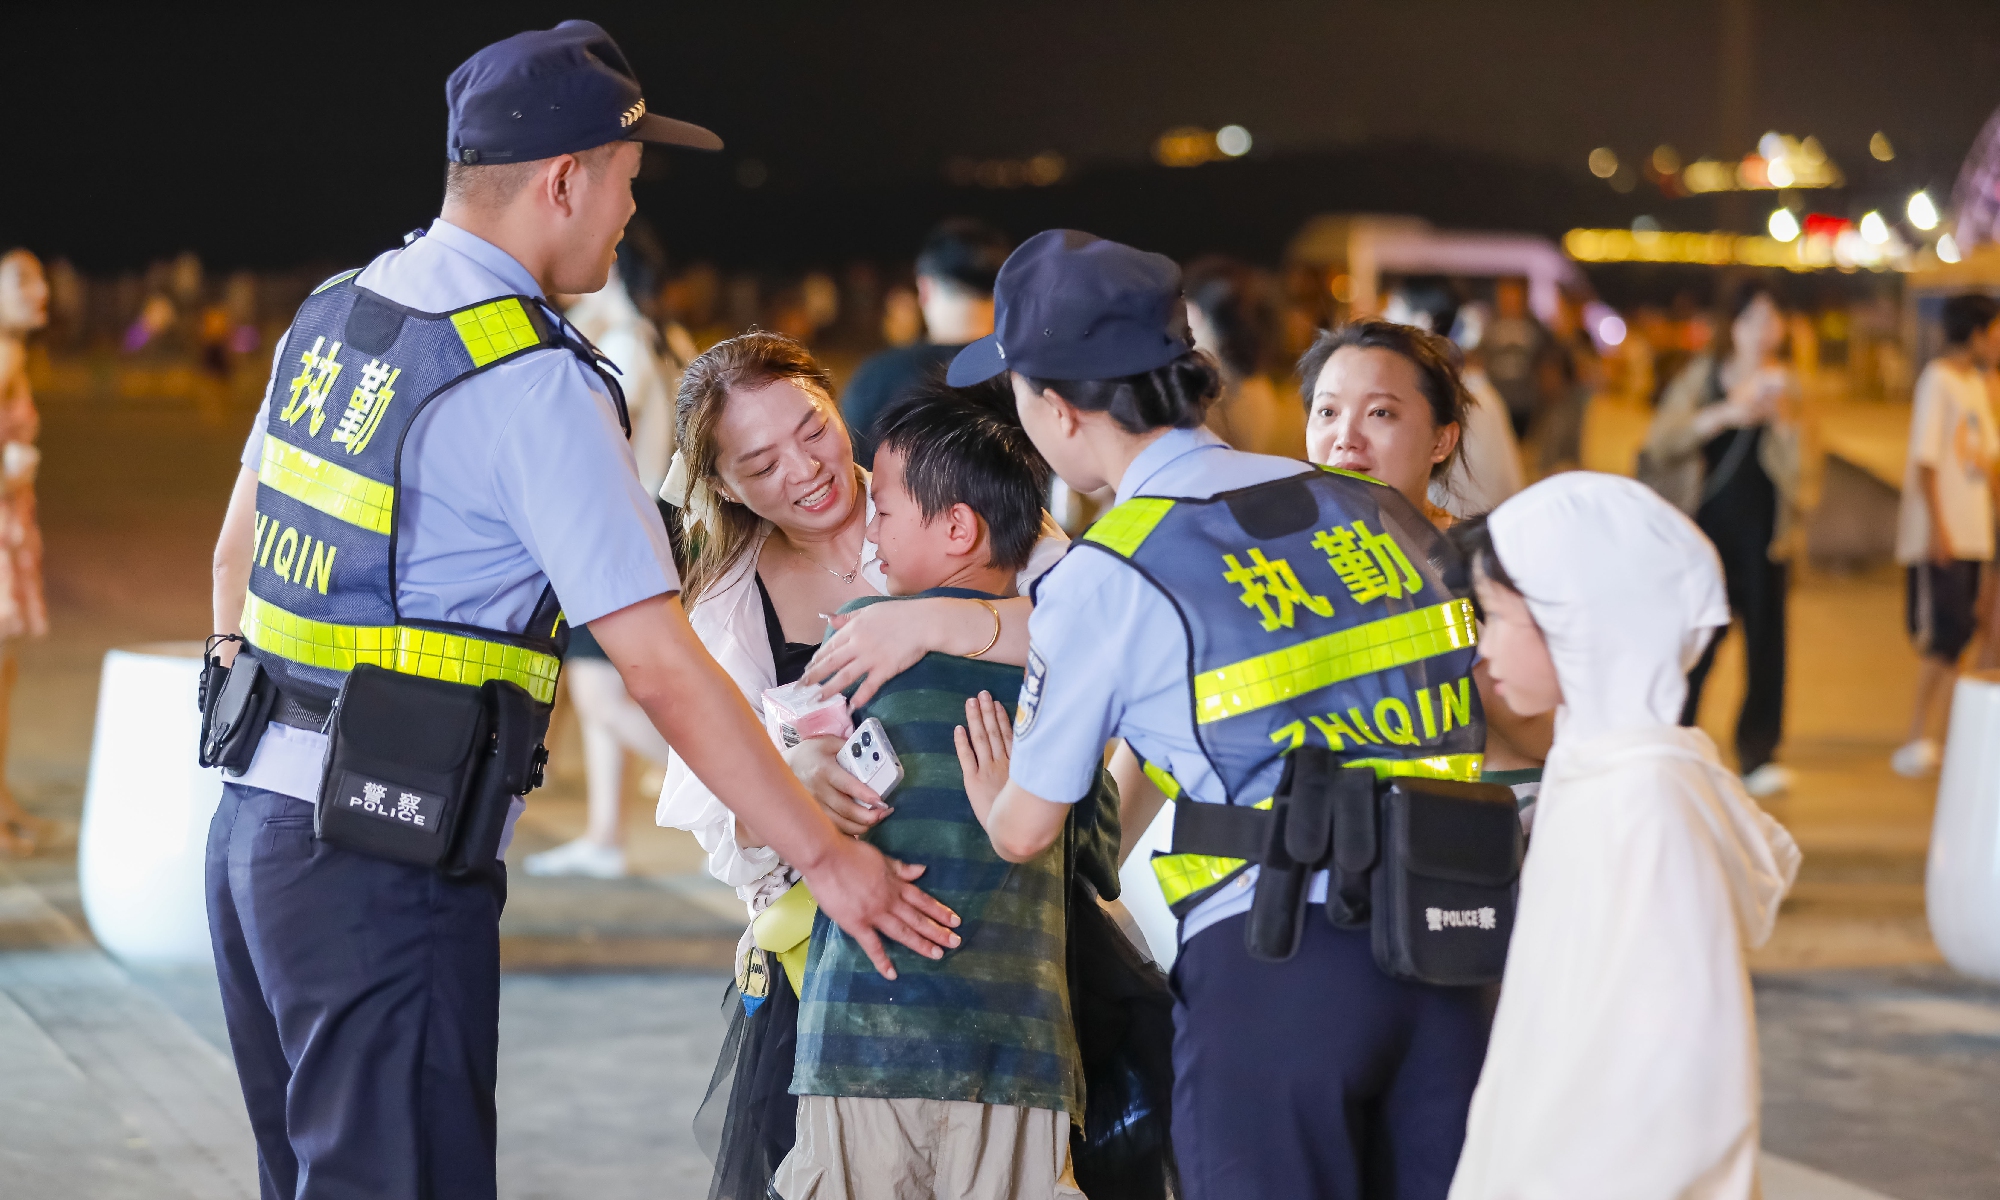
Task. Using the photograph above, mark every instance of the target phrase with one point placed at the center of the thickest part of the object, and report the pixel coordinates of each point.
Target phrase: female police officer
(1294, 608)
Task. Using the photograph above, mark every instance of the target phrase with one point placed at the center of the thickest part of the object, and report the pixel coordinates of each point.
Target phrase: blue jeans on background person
(362, 998)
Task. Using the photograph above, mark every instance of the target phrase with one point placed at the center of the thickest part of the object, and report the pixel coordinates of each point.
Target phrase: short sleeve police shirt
(1108, 655)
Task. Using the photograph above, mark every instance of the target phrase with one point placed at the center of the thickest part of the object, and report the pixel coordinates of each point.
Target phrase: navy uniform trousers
(363, 1003)
(1319, 1078)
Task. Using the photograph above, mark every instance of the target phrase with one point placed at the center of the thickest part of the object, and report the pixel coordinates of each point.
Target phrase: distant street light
(1947, 249)
(1603, 162)
(1783, 225)
(1879, 147)
(1874, 230)
(1233, 140)
(1923, 213)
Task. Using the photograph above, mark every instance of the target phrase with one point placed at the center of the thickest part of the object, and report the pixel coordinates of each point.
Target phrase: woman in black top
(1729, 420)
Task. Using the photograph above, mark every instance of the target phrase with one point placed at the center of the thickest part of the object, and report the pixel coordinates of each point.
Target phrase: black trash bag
(1124, 1014)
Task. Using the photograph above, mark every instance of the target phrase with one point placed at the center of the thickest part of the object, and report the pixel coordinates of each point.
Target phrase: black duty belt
(1429, 866)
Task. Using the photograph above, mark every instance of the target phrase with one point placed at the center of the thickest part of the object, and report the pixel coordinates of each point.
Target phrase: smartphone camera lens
(867, 738)
(856, 750)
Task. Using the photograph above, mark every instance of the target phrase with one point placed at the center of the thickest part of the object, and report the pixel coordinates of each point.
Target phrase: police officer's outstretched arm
(703, 715)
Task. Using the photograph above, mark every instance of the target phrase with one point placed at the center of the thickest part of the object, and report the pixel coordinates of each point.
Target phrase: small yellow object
(785, 930)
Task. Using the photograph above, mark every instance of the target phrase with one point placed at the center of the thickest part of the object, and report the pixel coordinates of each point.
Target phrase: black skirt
(749, 1118)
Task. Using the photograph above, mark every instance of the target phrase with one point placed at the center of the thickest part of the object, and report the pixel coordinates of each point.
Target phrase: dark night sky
(317, 131)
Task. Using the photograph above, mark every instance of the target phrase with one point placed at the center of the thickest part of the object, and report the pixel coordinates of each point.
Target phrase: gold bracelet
(996, 630)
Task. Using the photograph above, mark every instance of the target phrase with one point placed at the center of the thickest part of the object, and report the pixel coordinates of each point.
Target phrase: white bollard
(146, 809)
(1962, 885)
(1139, 889)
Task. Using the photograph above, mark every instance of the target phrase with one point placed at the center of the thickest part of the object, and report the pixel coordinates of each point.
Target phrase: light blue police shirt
(516, 478)
(1110, 656)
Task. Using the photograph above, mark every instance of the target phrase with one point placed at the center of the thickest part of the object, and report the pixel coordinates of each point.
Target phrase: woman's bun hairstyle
(1176, 396)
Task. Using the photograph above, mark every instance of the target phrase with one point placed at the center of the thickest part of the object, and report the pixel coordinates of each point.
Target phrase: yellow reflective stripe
(1464, 768)
(495, 329)
(1168, 785)
(1125, 527)
(429, 653)
(336, 279)
(327, 486)
(1352, 475)
(1182, 875)
(1279, 676)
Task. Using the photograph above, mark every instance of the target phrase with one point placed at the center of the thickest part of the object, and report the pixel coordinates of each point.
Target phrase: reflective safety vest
(1316, 611)
(323, 583)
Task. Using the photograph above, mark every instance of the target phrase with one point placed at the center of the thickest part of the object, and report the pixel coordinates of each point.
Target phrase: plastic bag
(794, 712)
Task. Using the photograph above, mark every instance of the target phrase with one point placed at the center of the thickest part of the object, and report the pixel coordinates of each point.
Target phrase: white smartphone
(869, 757)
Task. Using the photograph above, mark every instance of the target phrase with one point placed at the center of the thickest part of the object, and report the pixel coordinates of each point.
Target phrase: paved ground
(1879, 1063)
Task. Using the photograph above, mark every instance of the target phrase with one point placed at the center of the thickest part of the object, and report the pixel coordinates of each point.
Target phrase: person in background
(613, 725)
(1944, 533)
(1387, 402)
(955, 271)
(1232, 319)
(1488, 469)
(1516, 345)
(1728, 438)
(1623, 1060)
(24, 308)
(1570, 373)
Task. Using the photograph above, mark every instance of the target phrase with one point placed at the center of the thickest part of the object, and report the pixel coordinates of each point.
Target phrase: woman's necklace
(847, 577)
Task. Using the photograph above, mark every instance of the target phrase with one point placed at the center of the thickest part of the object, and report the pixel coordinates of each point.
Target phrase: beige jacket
(1671, 463)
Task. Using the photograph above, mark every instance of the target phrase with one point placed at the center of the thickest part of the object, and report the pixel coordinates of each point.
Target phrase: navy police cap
(553, 91)
(1070, 305)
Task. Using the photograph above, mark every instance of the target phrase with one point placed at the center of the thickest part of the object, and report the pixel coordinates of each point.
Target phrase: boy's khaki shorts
(861, 1148)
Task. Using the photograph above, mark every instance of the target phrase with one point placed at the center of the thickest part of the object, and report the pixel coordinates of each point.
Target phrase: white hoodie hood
(1626, 589)
(1623, 1060)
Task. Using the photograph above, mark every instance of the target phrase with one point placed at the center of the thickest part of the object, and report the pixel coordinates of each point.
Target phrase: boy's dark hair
(1966, 314)
(1474, 542)
(965, 251)
(1432, 354)
(962, 449)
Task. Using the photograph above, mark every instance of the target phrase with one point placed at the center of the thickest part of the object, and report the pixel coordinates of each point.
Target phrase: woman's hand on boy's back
(853, 805)
(869, 647)
(985, 751)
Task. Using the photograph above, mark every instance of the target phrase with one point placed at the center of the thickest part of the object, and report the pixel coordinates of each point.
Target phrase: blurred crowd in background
(179, 328)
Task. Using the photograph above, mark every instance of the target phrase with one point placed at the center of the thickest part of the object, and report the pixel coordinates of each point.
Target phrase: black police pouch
(402, 759)
(1444, 890)
(235, 707)
(1320, 813)
(509, 765)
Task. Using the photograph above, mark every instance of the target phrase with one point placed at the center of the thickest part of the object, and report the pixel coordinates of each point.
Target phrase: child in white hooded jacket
(1623, 1059)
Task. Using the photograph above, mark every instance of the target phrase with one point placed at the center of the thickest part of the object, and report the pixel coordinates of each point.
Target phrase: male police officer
(437, 458)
